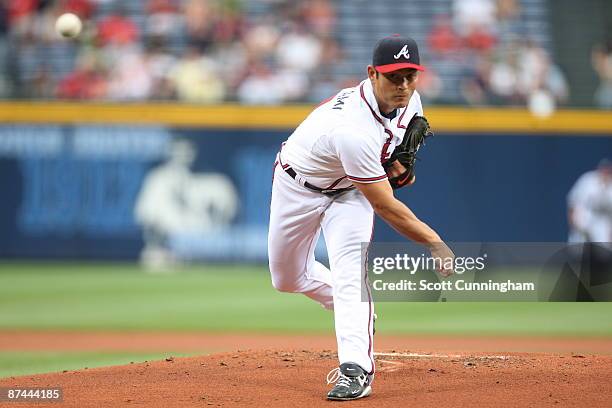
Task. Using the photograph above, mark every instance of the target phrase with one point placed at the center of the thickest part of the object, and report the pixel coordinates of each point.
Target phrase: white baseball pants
(297, 216)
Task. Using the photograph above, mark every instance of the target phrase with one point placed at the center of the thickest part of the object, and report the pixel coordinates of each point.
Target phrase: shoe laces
(336, 376)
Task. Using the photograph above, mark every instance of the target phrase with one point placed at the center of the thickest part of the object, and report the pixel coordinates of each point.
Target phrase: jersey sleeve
(360, 156)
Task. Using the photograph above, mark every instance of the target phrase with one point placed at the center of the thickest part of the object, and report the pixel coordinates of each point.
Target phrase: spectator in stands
(160, 62)
(508, 18)
(298, 53)
(261, 87)
(503, 78)
(261, 39)
(130, 77)
(480, 39)
(211, 23)
(468, 14)
(195, 79)
(87, 81)
(231, 61)
(319, 16)
(523, 70)
(475, 22)
(508, 10)
(602, 64)
(117, 28)
(541, 83)
(163, 19)
(229, 24)
(21, 17)
(20, 9)
(298, 49)
(82, 8)
(199, 23)
(475, 87)
(442, 38)
(330, 54)
(536, 72)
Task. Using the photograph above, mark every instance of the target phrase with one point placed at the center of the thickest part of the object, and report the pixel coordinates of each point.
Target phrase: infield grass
(241, 298)
(22, 363)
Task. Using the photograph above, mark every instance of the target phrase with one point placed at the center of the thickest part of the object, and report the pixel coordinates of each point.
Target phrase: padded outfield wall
(71, 175)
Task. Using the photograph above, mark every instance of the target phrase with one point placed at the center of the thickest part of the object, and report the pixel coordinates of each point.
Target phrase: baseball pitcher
(338, 169)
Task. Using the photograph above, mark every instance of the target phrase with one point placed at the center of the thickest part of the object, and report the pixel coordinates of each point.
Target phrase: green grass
(22, 363)
(240, 298)
(98, 297)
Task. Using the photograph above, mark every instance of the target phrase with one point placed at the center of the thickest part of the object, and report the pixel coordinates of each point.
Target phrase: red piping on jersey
(286, 166)
(274, 169)
(399, 121)
(367, 178)
(335, 183)
(387, 131)
(323, 102)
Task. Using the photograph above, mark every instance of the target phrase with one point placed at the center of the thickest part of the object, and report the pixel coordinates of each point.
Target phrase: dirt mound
(275, 378)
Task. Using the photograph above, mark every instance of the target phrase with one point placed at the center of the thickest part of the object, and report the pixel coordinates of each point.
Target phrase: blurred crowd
(200, 51)
(210, 51)
(499, 65)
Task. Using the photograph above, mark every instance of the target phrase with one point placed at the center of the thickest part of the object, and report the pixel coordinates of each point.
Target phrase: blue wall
(500, 188)
(74, 196)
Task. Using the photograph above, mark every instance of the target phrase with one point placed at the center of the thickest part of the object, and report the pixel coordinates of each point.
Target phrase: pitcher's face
(394, 89)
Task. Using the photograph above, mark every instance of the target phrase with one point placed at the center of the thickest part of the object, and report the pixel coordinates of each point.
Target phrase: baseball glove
(400, 166)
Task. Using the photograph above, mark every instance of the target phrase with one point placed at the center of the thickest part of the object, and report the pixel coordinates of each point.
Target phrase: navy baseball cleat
(352, 382)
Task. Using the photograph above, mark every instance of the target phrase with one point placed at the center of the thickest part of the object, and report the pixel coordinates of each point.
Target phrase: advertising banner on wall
(122, 192)
(160, 193)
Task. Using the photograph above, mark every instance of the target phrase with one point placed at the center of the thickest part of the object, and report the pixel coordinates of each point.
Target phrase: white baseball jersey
(347, 139)
(591, 200)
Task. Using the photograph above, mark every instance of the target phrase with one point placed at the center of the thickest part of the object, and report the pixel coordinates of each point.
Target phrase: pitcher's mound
(297, 378)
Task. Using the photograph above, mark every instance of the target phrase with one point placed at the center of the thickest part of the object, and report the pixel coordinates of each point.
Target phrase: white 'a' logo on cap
(404, 52)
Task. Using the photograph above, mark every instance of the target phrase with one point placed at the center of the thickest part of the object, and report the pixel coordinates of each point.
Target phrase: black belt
(327, 192)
